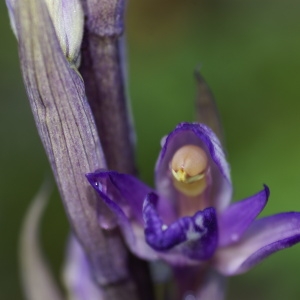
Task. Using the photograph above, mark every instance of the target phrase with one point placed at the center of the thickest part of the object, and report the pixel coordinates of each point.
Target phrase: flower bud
(67, 17)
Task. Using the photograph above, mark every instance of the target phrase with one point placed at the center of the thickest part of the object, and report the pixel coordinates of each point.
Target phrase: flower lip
(194, 236)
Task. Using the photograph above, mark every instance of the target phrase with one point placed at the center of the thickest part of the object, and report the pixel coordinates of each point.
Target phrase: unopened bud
(68, 20)
(67, 17)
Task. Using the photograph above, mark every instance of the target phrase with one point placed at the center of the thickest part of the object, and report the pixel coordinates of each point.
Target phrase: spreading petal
(200, 135)
(237, 218)
(129, 193)
(194, 237)
(264, 237)
(124, 195)
(125, 191)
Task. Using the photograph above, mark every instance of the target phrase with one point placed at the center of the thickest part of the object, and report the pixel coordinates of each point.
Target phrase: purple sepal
(124, 195)
(199, 135)
(119, 189)
(237, 218)
(128, 193)
(264, 237)
(195, 237)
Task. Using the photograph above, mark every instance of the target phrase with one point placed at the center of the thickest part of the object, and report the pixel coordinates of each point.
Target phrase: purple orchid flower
(71, 55)
(188, 220)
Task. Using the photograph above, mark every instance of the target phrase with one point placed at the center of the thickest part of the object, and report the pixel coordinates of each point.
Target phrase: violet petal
(264, 237)
(237, 218)
(199, 283)
(124, 190)
(194, 237)
(128, 193)
(124, 195)
(200, 135)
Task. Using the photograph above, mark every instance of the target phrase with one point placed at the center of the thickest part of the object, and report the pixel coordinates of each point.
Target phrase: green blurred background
(250, 56)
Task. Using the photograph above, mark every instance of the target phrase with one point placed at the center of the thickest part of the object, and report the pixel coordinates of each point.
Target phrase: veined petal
(199, 135)
(264, 237)
(126, 191)
(237, 218)
(77, 274)
(124, 195)
(194, 237)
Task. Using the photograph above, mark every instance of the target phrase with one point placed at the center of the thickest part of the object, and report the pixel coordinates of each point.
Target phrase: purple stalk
(103, 70)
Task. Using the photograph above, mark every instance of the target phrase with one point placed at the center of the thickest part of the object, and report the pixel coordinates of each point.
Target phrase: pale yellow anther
(180, 175)
(188, 166)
